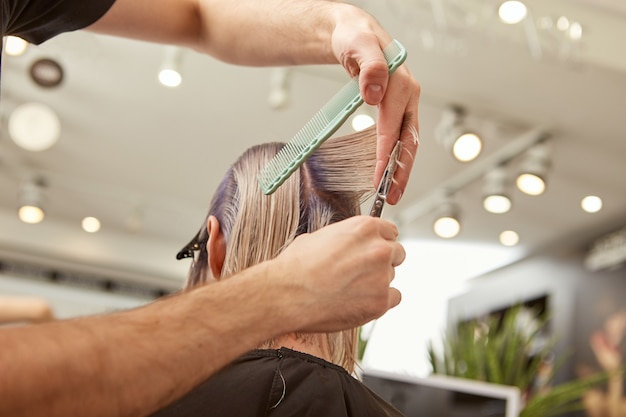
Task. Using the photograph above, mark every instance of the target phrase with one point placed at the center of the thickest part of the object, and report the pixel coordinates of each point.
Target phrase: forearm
(246, 32)
(270, 32)
(134, 362)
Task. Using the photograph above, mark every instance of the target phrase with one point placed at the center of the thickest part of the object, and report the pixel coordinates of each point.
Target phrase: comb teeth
(321, 126)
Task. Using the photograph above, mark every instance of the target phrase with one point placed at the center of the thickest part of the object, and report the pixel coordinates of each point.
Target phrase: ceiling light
(455, 137)
(509, 238)
(362, 122)
(467, 147)
(169, 74)
(532, 177)
(15, 46)
(46, 72)
(591, 204)
(34, 126)
(496, 198)
(575, 31)
(512, 12)
(31, 202)
(562, 23)
(447, 223)
(90, 224)
(280, 86)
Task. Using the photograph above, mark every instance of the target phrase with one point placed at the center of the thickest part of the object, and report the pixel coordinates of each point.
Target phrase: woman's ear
(216, 247)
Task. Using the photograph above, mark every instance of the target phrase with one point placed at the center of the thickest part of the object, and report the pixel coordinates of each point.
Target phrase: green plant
(509, 350)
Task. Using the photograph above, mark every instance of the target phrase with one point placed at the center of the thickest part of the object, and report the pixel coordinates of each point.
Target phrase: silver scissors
(385, 182)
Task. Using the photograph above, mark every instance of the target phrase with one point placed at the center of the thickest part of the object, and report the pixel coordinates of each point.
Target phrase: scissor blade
(385, 182)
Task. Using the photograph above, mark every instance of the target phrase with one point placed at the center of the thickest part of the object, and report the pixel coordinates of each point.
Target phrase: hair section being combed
(329, 187)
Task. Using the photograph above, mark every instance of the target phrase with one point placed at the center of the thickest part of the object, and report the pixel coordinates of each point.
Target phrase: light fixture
(280, 82)
(363, 118)
(534, 169)
(34, 126)
(509, 238)
(496, 198)
(15, 46)
(46, 72)
(451, 132)
(90, 224)
(169, 74)
(591, 204)
(512, 12)
(31, 201)
(575, 31)
(562, 23)
(447, 223)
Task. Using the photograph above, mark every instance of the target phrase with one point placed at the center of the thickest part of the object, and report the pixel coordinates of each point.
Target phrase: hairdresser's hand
(340, 276)
(358, 40)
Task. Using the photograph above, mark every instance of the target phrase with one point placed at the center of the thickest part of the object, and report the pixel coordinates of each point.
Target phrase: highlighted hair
(329, 187)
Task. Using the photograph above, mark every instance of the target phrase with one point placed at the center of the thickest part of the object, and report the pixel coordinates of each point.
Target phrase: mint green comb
(323, 124)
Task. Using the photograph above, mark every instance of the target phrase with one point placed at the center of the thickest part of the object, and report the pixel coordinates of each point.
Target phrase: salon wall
(75, 297)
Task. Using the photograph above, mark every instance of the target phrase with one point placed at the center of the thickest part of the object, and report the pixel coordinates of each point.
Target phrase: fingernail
(395, 196)
(375, 93)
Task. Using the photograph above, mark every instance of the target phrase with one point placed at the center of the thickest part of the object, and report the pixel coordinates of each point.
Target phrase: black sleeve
(39, 20)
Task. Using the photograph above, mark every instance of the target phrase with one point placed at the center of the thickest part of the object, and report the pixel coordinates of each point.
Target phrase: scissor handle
(377, 207)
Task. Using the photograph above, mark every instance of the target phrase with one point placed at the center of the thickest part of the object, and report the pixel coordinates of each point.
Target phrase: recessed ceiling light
(509, 238)
(90, 224)
(562, 23)
(512, 12)
(362, 122)
(591, 204)
(15, 46)
(575, 31)
(34, 126)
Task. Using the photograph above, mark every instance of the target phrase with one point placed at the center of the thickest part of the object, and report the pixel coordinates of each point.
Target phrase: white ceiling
(132, 151)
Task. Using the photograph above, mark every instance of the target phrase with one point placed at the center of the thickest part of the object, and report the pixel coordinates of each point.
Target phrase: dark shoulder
(39, 20)
(281, 383)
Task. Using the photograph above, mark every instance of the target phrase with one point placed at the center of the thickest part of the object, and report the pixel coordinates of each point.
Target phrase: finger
(369, 63)
(387, 229)
(392, 275)
(373, 78)
(398, 119)
(410, 144)
(399, 255)
(393, 298)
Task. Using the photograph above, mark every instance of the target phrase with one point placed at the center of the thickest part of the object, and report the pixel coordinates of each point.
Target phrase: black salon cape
(253, 386)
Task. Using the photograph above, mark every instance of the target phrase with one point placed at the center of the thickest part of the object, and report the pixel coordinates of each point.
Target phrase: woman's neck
(313, 344)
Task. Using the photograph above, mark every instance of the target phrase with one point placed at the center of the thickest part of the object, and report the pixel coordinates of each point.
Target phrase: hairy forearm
(245, 32)
(270, 32)
(133, 363)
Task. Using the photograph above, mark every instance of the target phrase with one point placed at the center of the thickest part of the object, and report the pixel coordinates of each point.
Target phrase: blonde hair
(330, 186)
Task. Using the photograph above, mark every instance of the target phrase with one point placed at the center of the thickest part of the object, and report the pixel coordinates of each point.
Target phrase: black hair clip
(191, 247)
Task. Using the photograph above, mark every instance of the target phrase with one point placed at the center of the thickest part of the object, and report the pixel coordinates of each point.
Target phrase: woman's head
(329, 187)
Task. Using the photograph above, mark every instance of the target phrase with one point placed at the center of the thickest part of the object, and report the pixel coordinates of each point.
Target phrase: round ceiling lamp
(46, 73)
(31, 199)
(34, 126)
(15, 46)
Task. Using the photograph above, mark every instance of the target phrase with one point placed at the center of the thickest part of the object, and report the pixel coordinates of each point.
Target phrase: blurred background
(118, 165)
